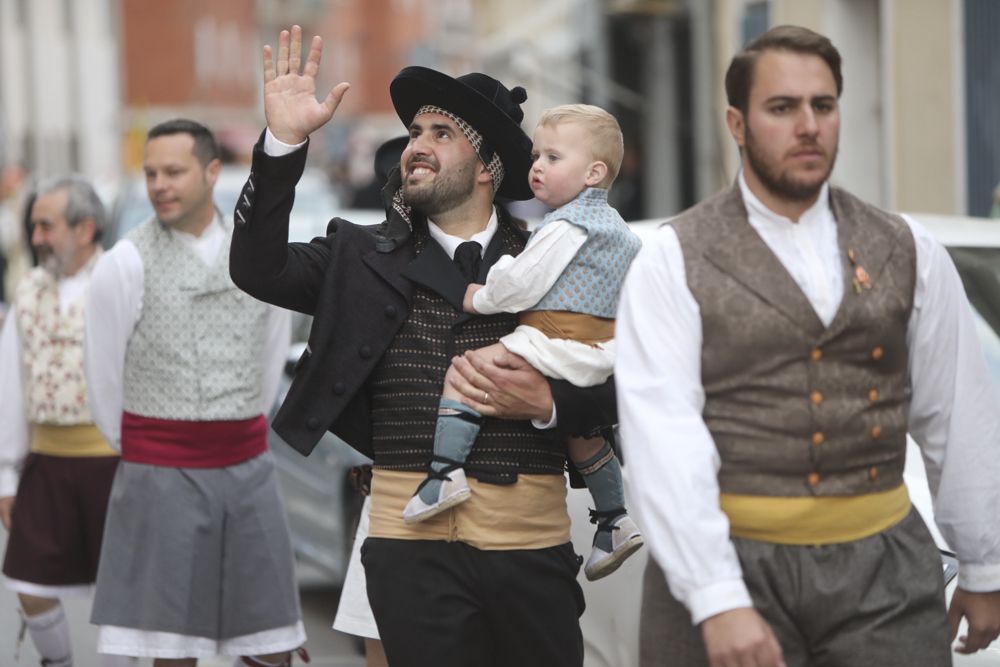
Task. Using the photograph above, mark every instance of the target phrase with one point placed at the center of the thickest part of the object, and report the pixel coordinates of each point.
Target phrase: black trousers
(448, 604)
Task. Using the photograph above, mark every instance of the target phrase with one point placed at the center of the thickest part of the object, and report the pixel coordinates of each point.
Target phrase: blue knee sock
(603, 475)
(456, 431)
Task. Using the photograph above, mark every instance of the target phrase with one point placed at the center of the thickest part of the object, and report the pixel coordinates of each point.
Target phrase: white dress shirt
(673, 462)
(118, 282)
(14, 432)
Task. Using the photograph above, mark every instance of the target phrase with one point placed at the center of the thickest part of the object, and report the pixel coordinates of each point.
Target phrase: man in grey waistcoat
(181, 367)
(776, 343)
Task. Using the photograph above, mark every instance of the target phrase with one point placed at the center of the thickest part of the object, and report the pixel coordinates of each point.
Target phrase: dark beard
(445, 193)
(779, 184)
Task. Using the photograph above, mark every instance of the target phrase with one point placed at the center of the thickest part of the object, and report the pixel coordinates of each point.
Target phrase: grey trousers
(877, 601)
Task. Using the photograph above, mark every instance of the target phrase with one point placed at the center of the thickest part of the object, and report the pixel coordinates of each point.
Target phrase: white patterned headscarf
(494, 165)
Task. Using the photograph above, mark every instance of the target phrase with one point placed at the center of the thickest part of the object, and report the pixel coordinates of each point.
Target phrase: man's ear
(596, 173)
(86, 231)
(212, 171)
(737, 125)
(483, 175)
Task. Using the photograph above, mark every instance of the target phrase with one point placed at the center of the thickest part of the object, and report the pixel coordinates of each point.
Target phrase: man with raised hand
(493, 581)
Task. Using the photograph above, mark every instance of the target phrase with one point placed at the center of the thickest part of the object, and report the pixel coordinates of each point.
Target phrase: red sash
(192, 444)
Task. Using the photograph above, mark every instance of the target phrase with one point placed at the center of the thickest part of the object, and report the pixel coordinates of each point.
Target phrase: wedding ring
(486, 397)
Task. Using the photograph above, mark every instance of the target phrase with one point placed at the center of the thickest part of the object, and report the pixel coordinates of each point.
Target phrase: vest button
(813, 478)
(873, 395)
(877, 352)
(872, 474)
(390, 312)
(816, 397)
(312, 423)
(818, 438)
(876, 432)
(339, 388)
(816, 354)
(365, 352)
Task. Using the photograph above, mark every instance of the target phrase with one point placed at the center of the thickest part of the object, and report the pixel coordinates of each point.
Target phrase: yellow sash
(814, 519)
(75, 440)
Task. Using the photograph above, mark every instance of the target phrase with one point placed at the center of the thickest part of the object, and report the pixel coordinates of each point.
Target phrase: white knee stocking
(50, 633)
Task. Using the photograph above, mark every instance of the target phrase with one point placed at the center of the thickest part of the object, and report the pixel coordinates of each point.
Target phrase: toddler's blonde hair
(603, 132)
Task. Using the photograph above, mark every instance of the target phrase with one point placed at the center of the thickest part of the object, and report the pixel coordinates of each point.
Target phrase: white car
(611, 621)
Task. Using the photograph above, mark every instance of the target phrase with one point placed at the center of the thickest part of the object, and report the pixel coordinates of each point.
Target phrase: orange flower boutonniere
(861, 278)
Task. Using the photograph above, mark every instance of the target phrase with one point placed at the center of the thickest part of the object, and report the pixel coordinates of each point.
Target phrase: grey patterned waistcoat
(195, 354)
(797, 408)
(591, 282)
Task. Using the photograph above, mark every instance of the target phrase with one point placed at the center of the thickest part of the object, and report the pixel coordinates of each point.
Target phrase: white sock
(50, 633)
(106, 660)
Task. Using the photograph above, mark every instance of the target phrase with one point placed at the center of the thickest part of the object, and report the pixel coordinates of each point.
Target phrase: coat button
(876, 432)
(390, 312)
(312, 423)
(872, 473)
(816, 397)
(873, 395)
(877, 352)
(339, 388)
(813, 478)
(365, 352)
(818, 438)
(816, 354)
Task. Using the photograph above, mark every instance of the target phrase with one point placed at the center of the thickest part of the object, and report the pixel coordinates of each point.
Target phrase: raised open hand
(290, 104)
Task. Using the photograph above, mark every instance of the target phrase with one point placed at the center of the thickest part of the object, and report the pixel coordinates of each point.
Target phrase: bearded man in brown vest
(776, 343)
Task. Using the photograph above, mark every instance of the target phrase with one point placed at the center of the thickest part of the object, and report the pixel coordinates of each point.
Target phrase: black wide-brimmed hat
(482, 102)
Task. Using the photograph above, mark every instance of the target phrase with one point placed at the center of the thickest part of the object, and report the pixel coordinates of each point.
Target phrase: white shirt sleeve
(276, 147)
(114, 305)
(954, 415)
(276, 342)
(518, 283)
(13, 407)
(672, 459)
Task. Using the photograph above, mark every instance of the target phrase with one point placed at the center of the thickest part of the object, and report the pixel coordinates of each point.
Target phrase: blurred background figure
(47, 436)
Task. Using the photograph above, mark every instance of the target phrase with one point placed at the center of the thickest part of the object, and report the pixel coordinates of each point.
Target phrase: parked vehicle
(321, 504)
(611, 620)
(315, 202)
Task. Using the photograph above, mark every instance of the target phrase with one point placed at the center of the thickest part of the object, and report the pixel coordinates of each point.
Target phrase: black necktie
(468, 255)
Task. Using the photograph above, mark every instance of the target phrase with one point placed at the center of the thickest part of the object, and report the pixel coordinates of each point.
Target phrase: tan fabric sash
(75, 440)
(814, 519)
(530, 514)
(571, 326)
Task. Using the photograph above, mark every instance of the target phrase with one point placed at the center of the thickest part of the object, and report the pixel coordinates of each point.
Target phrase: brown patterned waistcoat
(407, 383)
(797, 408)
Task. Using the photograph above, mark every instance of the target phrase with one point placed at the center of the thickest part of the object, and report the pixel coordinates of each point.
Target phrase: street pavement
(327, 647)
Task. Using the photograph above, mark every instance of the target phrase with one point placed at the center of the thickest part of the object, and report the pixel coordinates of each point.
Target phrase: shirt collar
(450, 243)
(211, 232)
(818, 211)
